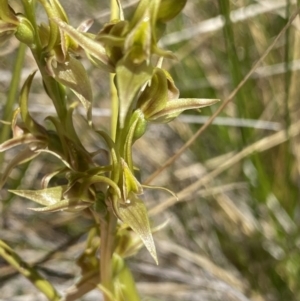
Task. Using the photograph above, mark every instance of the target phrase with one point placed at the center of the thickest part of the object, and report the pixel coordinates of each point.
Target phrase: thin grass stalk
(234, 65)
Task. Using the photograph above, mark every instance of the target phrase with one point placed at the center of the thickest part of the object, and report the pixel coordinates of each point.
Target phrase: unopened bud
(25, 32)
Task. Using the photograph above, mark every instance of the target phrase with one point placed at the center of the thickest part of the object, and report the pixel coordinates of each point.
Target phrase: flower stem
(108, 227)
(12, 95)
(113, 91)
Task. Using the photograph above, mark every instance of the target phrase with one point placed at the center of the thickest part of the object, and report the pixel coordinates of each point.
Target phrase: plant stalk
(114, 10)
(12, 95)
(108, 227)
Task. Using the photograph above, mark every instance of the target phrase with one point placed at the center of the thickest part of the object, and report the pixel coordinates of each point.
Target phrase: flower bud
(25, 31)
(140, 128)
(169, 9)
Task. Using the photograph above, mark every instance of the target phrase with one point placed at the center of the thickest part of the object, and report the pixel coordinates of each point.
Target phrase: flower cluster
(146, 92)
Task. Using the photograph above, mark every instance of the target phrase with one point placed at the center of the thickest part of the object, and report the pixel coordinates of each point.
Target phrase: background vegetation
(234, 235)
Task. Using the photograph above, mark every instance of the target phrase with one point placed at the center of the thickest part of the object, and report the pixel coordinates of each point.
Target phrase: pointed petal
(175, 107)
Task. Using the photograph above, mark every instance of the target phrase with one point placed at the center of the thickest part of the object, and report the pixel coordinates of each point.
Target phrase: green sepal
(155, 95)
(174, 108)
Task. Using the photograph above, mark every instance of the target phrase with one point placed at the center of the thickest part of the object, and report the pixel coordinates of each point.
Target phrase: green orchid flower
(160, 103)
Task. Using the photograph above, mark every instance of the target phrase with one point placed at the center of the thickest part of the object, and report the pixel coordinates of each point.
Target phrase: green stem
(113, 91)
(108, 227)
(12, 95)
(29, 272)
(114, 107)
(55, 91)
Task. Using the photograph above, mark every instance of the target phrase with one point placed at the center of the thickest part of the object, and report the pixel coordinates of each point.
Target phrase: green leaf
(130, 78)
(135, 215)
(46, 197)
(52, 199)
(23, 139)
(73, 75)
